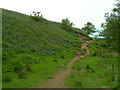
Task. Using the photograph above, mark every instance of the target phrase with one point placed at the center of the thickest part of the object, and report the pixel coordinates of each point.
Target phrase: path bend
(58, 79)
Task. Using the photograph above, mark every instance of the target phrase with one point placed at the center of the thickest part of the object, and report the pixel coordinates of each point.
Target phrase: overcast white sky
(78, 11)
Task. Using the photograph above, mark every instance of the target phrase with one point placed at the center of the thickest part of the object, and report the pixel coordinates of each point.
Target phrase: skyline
(78, 12)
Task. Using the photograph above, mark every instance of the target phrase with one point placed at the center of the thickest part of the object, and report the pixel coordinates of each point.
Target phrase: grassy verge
(99, 70)
(42, 69)
(91, 72)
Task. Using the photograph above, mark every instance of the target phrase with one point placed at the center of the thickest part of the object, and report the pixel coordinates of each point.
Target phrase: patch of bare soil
(58, 80)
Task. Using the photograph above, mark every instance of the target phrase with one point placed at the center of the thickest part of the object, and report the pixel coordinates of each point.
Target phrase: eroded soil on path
(58, 80)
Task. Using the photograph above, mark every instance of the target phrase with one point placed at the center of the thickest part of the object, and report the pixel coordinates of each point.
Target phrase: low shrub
(92, 71)
(29, 60)
(28, 67)
(54, 60)
(78, 84)
(7, 79)
(37, 17)
(62, 56)
(21, 75)
(71, 76)
(19, 67)
(88, 67)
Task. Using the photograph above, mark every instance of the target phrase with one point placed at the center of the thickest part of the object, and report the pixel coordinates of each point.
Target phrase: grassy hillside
(99, 70)
(33, 51)
(22, 34)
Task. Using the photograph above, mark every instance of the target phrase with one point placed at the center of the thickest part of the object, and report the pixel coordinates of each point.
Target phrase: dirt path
(58, 80)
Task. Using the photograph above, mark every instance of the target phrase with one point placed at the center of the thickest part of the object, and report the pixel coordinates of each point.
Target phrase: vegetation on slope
(99, 70)
(33, 50)
(21, 34)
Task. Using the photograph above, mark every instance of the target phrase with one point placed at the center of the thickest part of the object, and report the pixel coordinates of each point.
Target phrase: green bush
(55, 60)
(37, 17)
(7, 79)
(88, 67)
(62, 56)
(71, 76)
(78, 84)
(28, 67)
(19, 67)
(92, 71)
(21, 75)
(66, 24)
(29, 60)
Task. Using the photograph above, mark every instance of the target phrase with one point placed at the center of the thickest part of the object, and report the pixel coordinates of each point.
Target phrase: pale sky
(78, 11)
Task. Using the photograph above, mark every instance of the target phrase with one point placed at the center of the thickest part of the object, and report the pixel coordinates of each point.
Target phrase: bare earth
(58, 80)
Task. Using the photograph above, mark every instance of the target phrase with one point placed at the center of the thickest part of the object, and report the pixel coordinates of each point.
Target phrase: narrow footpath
(58, 80)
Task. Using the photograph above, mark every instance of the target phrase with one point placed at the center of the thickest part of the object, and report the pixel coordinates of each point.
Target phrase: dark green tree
(37, 16)
(66, 24)
(89, 28)
(112, 27)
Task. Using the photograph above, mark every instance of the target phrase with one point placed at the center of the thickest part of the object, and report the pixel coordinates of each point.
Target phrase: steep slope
(22, 34)
(34, 49)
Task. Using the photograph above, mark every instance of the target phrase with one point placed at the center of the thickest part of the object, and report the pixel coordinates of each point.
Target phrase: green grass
(33, 51)
(95, 71)
(21, 34)
(97, 76)
(43, 70)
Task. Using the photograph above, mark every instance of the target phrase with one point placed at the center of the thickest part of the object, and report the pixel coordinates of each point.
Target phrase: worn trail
(58, 80)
